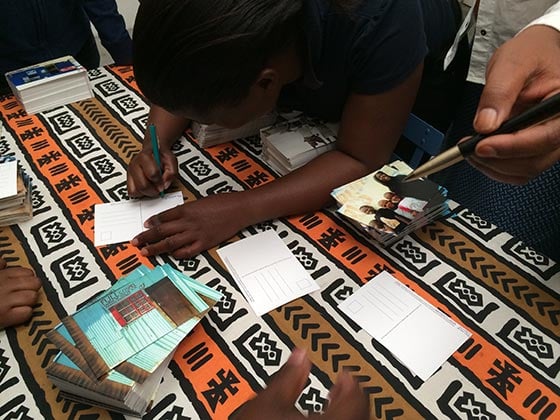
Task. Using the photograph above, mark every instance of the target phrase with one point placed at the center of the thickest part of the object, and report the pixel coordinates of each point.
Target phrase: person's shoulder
(373, 11)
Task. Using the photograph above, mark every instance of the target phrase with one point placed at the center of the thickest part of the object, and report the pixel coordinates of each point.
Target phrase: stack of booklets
(288, 145)
(15, 193)
(388, 208)
(211, 135)
(50, 84)
(115, 350)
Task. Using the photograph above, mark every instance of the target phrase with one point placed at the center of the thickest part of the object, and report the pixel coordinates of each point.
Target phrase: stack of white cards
(50, 84)
(211, 135)
(288, 145)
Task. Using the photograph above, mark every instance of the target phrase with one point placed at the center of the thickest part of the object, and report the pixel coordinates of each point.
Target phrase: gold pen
(537, 114)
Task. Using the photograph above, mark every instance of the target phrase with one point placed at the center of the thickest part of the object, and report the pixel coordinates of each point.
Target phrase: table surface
(506, 294)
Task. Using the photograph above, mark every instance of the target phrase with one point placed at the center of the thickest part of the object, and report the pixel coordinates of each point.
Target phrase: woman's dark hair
(196, 54)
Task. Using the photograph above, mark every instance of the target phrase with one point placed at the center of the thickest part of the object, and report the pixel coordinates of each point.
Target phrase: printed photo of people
(386, 206)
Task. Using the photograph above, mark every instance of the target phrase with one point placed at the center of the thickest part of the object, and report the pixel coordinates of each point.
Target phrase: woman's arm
(370, 127)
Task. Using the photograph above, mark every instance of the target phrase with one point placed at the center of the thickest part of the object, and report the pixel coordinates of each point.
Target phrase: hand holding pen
(524, 70)
(153, 169)
(537, 115)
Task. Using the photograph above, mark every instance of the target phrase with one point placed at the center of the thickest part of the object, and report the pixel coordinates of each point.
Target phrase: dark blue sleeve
(390, 45)
(111, 28)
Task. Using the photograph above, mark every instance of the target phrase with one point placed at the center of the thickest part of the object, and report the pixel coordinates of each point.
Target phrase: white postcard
(266, 271)
(121, 221)
(418, 334)
(8, 178)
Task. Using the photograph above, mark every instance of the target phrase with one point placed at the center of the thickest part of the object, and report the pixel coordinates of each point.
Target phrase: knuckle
(157, 227)
(552, 135)
(36, 283)
(181, 254)
(33, 296)
(169, 242)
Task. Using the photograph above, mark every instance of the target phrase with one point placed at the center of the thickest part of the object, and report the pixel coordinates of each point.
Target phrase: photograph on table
(133, 316)
(385, 206)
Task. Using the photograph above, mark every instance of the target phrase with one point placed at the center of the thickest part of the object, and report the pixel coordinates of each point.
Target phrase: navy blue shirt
(32, 31)
(368, 50)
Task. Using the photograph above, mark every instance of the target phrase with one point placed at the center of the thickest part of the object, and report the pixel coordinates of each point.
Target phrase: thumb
(505, 78)
(289, 381)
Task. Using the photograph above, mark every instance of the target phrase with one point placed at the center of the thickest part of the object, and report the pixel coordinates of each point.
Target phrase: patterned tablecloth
(502, 291)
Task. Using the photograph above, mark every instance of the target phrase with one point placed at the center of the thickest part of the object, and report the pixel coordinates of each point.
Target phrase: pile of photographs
(290, 144)
(388, 208)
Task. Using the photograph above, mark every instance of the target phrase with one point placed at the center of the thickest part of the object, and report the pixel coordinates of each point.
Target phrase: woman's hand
(144, 178)
(191, 228)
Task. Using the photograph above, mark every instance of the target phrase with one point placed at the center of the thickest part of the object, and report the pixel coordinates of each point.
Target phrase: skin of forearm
(306, 189)
(169, 127)
(365, 126)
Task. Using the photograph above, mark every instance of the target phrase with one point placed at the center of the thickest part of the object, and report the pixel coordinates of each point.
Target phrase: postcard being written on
(123, 220)
(267, 272)
(418, 334)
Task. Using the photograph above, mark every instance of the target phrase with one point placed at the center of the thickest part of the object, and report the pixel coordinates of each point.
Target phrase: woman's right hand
(144, 177)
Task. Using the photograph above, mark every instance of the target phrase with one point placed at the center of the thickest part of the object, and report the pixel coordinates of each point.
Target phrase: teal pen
(155, 150)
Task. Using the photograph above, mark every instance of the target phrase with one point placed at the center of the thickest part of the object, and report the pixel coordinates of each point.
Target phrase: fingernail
(167, 184)
(297, 358)
(487, 119)
(135, 242)
(144, 252)
(148, 224)
(486, 151)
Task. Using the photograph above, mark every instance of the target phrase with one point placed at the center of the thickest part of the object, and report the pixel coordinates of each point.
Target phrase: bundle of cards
(210, 135)
(15, 193)
(388, 208)
(50, 84)
(288, 145)
(114, 350)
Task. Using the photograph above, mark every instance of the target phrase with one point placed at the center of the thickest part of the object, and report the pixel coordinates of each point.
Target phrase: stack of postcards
(388, 208)
(115, 350)
(288, 145)
(15, 193)
(212, 134)
(50, 84)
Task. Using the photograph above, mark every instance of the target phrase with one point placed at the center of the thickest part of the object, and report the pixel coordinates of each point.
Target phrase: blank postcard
(418, 334)
(266, 271)
(123, 220)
